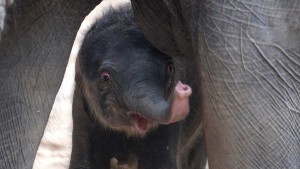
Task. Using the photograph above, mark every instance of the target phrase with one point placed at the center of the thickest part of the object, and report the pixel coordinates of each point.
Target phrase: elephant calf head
(128, 84)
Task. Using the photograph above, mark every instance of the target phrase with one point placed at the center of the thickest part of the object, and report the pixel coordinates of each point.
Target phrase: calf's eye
(170, 69)
(105, 77)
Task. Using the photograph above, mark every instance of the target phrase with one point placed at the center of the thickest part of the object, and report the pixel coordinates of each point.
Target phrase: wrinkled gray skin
(248, 55)
(249, 58)
(34, 50)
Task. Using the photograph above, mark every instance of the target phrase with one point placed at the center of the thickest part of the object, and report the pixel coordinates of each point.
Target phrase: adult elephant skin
(249, 63)
(34, 49)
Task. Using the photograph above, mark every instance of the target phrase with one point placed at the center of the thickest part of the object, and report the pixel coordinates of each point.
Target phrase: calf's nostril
(184, 88)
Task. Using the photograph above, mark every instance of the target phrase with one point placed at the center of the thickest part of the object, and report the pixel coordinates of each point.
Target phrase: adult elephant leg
(250, 69)
(249, 59)
(33, 57)
(172, 27)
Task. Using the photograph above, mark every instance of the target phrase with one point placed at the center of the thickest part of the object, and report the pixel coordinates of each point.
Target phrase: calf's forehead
(134, 57)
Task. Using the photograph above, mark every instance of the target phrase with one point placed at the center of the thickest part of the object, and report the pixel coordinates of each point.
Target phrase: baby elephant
(130, 108)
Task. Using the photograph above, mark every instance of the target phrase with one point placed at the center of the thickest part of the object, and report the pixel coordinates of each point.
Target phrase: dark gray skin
(34, 50)
(249, 58)
(125, 95)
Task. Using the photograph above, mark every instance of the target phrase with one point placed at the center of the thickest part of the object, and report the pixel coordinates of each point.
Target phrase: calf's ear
(163, 26)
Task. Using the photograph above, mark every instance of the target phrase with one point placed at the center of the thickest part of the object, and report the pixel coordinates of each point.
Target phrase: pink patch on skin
(180, 106)
(140, 122)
